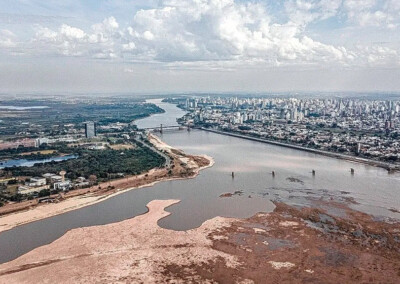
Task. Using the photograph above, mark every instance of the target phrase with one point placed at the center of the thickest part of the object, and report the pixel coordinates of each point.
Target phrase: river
(372, 188)
(31, 163)
(168, 118)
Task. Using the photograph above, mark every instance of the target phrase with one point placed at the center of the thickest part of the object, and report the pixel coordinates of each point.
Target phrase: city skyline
(200, 141)
(366, 128)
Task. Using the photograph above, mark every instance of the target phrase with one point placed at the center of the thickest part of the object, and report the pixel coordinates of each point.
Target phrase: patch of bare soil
(303, 246)
(231, 194)
(289, 245)
(132, 251)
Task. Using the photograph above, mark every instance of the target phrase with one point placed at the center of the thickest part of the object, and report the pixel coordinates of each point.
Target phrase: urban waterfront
(200, 141)
(355, 129)
(252, 162)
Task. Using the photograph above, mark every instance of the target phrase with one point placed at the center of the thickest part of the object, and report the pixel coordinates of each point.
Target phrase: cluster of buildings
(363, 127)
(56, 182)
(90, 132)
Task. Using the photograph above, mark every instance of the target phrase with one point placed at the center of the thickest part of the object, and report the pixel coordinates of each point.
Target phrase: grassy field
(121, 146)
(12, 189)
(43, 152)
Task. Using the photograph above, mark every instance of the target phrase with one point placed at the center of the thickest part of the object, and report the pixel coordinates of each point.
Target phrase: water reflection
(31, 163)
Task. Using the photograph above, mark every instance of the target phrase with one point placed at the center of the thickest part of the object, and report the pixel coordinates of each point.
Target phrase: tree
(44, 192)
(92, 179)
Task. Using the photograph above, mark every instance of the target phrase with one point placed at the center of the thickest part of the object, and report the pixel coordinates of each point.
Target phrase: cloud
(378, 55)
(71, 33)
(71, 41)
(384, 14)
(303, 12)
(218, 33)
(108, 26)
(7, 39)
(193, 31)
(225, 30)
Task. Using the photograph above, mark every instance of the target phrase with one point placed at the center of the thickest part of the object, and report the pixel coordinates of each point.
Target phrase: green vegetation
(32, 153)
(102, 163)
(60, 118)
(28, 153)
(65, 118)
(244, 127)
(44, 192)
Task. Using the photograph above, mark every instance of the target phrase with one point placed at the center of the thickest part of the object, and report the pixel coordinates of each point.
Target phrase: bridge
(162, 128)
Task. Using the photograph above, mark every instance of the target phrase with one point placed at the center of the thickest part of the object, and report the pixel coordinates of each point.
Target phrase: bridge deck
(164, 127)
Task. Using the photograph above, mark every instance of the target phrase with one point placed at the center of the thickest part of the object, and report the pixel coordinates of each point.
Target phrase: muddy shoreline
(288, 245)
(322, 241)
(185, 166)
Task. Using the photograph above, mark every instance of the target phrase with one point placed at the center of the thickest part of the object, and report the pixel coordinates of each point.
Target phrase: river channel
(374, 190)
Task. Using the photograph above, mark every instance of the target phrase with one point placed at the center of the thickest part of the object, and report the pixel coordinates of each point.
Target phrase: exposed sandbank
(29, 211)
(289, 245)
(134, 250)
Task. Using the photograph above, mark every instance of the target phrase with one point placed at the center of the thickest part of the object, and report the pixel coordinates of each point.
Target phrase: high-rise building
(187, 103)
(358, 150)
(90, 129)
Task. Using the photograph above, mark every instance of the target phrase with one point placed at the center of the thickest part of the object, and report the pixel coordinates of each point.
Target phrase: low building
(48, 175)
(83, 184)
(24, 189)
(81, 179)
(56, 178)
(63, 185)
(36, 181)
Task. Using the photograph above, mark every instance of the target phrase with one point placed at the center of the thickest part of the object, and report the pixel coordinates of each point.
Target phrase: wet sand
(185, 166)
(289, 245)
(134, 250)
(325, 241)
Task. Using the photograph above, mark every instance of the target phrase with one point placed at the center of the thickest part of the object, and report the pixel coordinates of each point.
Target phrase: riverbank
(183, 166)
(370, 162)
(289, 245)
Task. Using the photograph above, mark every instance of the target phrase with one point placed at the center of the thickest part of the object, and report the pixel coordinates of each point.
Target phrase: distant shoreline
(366, 161)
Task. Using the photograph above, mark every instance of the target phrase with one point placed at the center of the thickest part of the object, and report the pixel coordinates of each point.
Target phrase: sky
(175, 46)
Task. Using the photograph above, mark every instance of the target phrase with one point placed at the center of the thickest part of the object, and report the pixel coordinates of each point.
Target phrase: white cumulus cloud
(225, 30)
(7, 38)
(223, 33)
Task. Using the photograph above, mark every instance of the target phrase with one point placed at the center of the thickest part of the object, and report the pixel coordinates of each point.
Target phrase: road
(384, 165)
(151, 147)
